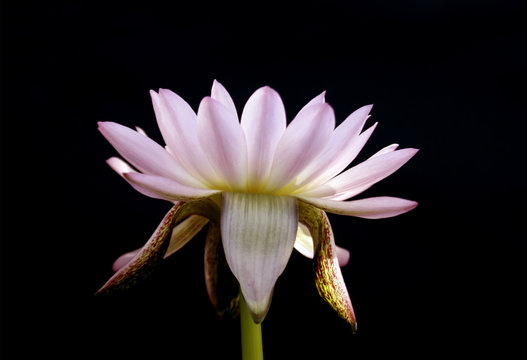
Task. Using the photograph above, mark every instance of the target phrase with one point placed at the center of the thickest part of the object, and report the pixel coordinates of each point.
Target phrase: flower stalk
(251, 332)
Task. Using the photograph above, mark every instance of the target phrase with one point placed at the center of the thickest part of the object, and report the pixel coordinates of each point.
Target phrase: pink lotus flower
(263, 186)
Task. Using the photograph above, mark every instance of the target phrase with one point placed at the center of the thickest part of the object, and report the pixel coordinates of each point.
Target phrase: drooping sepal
(141, 264)
(258, 233)
(222, 286)
(328, 277)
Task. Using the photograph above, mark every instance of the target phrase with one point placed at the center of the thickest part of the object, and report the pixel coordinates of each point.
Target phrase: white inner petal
(258, 233)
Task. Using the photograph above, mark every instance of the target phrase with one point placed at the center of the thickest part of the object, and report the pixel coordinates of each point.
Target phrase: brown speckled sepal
(328, 278)
(142, 264)
(222, 286)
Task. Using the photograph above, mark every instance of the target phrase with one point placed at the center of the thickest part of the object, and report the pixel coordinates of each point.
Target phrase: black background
(447, 77)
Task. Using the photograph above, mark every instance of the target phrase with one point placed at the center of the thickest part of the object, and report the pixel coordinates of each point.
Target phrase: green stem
(251, 334)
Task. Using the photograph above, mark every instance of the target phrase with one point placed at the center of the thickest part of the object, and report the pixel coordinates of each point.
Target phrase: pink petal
(340, 150)
(223, 141)
(220, 94)
(362, 176)
(124, 259)
(144, 153)
(369, 208)
(121, 167)
(302, 141)
(264, 122)
(178, 124)
(168, 189)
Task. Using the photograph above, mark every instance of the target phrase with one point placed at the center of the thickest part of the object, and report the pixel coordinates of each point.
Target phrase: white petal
(223, 141)
(168, 189)
(178, 124)
(220, 94)
(362, 176)
(339, 151)
(386, 150)
(144, 153)
(264, 122)
(303, 140)
(369, 208)
(258, 233)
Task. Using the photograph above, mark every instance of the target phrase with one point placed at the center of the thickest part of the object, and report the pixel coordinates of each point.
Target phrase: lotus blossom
(262, 185)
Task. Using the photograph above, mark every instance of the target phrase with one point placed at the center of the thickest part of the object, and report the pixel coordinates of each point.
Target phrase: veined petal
(144, 153)
(369, 208)
(153, 251)
(304, 245)
(340, 150)
(166, 188)
(220, 94)
(302, 141)
(258, 233)
(328, 278)
(360, 177)
(264, 122)
(178, 124)
(222, 287)
(223, 141)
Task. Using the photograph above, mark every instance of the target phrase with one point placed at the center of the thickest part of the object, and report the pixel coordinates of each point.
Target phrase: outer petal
(369, 208)
(223, 141)
(166, 188)
(144, 153)
(328, 278)
(302, 141)
(258, 233)
(304, 245)
(264, 122)
(222, 286)
(121, 167)
(362, 176)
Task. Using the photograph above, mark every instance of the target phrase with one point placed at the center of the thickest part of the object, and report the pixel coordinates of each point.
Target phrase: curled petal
(258, 233)
(143, 262)
(222, 286)
(369, 208)
(328, 278)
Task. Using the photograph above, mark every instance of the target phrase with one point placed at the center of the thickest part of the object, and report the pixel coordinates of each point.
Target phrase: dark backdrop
(447, 77)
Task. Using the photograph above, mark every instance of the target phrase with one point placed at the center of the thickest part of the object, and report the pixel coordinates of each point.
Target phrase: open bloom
(263, 185)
